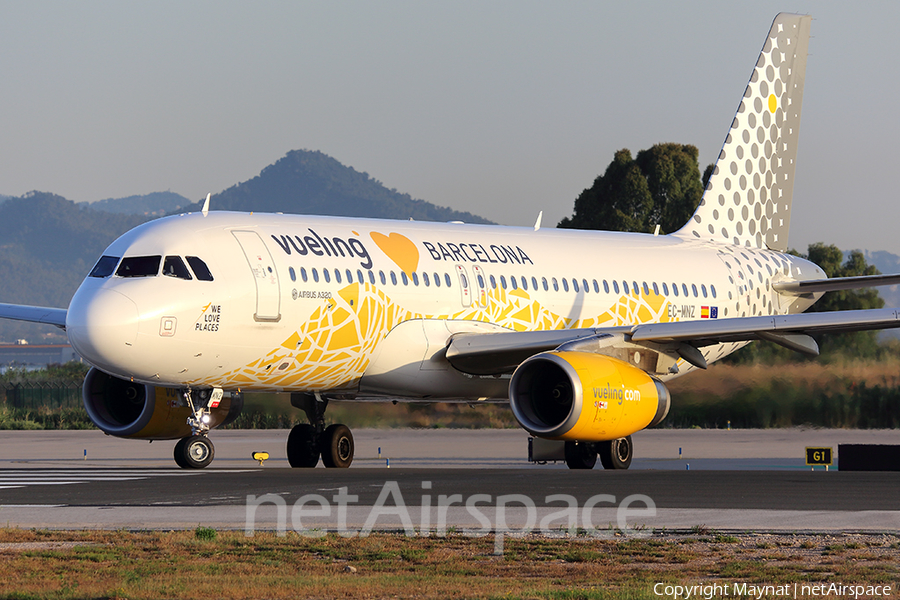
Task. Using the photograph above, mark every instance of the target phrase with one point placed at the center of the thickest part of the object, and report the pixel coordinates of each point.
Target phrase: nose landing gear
(196, 451)
(307, 442)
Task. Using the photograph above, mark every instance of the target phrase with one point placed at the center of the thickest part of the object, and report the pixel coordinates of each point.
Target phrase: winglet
(537, 224)
(205, 209)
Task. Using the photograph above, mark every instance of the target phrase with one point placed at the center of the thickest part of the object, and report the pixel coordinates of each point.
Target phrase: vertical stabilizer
(748, 198)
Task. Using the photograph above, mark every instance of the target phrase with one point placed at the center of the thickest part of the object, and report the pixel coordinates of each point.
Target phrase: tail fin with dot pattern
(748, 198)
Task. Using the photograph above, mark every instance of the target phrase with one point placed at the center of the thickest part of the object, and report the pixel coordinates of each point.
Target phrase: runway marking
(18, 478)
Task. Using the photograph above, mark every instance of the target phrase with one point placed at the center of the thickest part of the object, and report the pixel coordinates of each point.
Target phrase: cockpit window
(105, 266)
(200, 268)
(174, 267)
(139, 266)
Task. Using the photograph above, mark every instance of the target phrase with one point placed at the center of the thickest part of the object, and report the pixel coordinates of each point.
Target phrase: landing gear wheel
(580, 455)
(616, 454)
(194, 452)
(337, 446)
(179, 453)
(302, 450)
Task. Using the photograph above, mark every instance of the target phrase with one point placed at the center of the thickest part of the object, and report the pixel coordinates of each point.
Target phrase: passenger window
(635, 289)
(606, 286)
(382, 277)
(437, 280)
(596, 287)
(584, 285)
(712, 289)
(372, 277)
(404, 278)
(655, 288)
(625, 288)
(555, 284)
(393, 278)
(480, 281)
(524, 283)
(359, 276)
(463, 280)
(303, 274)
(616, 286)
(513, 283)
(493, 282)
(665, 289)
(425, 279)
(565, 283)
(415, 278)
(105, 266)
(139, 266)
(694, 288)
(675, 289)
(337, 276)
(703, 289)
(544, 283)
(684, 289)
(173, 266)
(199, 267)
(447, 279)
(575, 285)
(315, 275)
(646, 289)
(326, 275)
(534, 284)
(350, 276)
(503, 282)
(292, 273)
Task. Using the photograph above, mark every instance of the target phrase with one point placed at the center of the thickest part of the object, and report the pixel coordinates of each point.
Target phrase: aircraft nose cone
(102, 327)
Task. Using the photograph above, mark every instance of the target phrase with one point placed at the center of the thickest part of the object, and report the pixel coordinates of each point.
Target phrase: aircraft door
(464, 285)
(268, 296)
(480, 285)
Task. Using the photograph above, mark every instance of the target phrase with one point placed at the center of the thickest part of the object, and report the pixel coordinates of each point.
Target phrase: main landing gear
(196, 451)
(614, 454)
(309, 441)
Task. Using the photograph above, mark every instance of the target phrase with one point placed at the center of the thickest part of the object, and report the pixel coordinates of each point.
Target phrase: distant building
(34, 356)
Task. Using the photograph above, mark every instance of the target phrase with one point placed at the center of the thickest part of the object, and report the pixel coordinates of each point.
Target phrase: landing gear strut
(307, 442)
(196, 451)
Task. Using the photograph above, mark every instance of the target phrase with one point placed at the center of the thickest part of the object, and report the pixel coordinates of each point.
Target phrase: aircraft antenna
(205, 209)
(537, 224)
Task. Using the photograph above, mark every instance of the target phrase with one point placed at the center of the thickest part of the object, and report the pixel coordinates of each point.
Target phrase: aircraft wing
(495, 353)
(34, 314)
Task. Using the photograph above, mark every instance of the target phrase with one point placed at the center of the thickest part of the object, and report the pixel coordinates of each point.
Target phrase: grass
(38, 564)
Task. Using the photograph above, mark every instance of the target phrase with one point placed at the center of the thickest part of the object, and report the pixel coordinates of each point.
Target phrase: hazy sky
(499, 108)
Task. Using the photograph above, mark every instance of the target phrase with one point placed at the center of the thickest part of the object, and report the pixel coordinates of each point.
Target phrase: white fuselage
(364, 306)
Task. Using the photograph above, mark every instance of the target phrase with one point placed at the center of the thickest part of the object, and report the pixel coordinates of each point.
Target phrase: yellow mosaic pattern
(332, 350)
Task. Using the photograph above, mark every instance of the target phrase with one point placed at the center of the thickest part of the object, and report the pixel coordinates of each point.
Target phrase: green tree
(660, 187)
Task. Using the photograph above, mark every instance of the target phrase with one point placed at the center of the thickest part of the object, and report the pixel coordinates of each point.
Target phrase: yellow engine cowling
(133, 410)
(584, 396)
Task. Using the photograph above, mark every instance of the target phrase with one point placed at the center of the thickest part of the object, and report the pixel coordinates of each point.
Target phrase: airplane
(578, 330)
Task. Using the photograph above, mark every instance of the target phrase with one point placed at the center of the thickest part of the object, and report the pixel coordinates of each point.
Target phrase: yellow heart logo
(399, 249)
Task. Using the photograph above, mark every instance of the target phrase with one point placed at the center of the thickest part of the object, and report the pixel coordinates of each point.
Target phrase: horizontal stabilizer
(34, 314)
(838, 283)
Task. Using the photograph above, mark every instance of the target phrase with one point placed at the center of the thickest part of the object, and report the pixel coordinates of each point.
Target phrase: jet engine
(134, 410)
(585, 396)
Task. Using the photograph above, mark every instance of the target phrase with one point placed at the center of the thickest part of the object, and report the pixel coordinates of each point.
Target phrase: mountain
(156, 204)
(48, 244)
(313, 183)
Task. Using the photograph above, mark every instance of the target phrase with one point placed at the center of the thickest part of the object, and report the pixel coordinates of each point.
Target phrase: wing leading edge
(496, 353)
(34, 314)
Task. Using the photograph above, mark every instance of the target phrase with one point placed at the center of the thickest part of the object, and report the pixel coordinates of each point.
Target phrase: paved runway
(737, 480)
